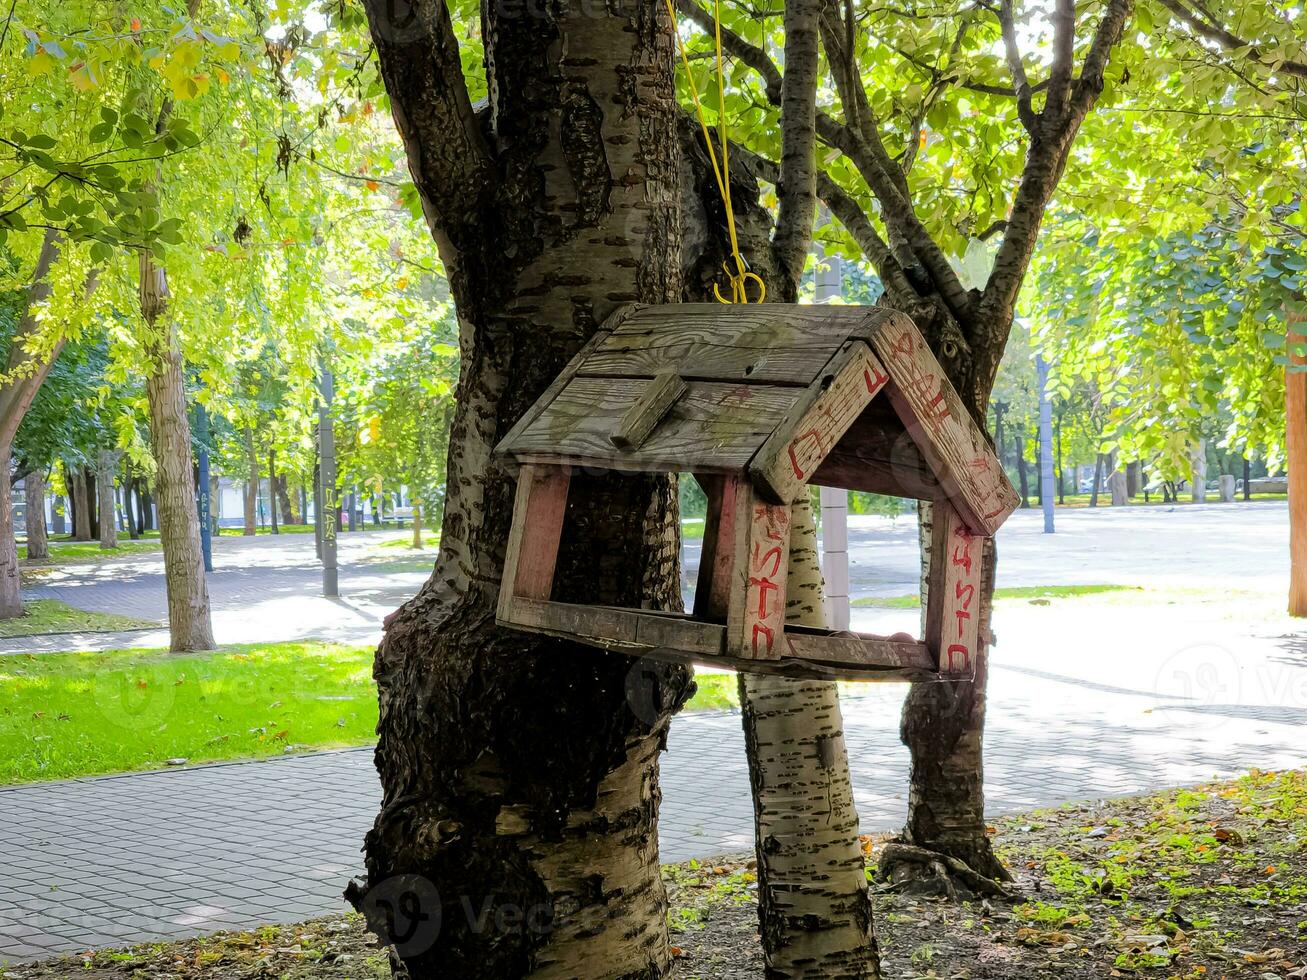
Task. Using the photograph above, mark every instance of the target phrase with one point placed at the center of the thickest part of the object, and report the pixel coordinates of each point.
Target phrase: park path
(1089, 697)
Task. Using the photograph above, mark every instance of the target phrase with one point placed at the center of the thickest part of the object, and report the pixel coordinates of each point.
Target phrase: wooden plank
(717, 559)
(786, 462)
(714, 427)
(948, 438)
(953, 599)
(618, 317)
(532, 550)
(877, 455)
(755, 620)
(641, 418)
(666, 636)
(622, 630)
(860, 649)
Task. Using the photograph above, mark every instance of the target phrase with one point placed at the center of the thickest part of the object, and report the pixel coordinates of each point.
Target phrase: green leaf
(42, 142)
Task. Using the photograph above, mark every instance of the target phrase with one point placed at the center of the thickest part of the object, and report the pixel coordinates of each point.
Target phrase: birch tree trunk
(189, 625)
(814, 904)
(38, 541)
(518, 782)
(1295, 438)
(106, 462)
(11, 596)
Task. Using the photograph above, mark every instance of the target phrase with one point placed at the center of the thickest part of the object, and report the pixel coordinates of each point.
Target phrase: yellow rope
(740, 276)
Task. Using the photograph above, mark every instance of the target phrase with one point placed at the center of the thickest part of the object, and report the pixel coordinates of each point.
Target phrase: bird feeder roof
(784, 393)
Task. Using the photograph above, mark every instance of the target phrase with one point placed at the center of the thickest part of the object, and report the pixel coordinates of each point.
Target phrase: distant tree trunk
(303, 516)
(272, 489)
(417, 525)
(170, 441)
(286, 500)
(1198, 472)
(1021, 471)
(1132, 479)
(1098, 480)
(38, 542)
(76, 480)
(92, 500)
(814, 904)
(106, 461)
(11, 597)
(1061, 470)
(251, 483)
(1295, 432)
(131, 496)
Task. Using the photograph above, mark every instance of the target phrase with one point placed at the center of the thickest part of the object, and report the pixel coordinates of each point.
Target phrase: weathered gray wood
(539, 507)
(947, 436)
(858, 649)
(713, 428)
(671, 636)
(626, 630)
(877, 455)
(785, 463)
(953, 599)
(653, 405)
(612, 322)
(717, 559)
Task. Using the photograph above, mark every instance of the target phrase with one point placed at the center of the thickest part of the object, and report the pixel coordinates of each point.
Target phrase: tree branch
(449, 159)
(752, 55)
(1064, 56)
(798, 186)
(1044, 165)
(1218, 33)
(1020, 83)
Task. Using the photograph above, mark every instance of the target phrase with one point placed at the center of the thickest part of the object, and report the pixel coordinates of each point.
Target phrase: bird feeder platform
(758, 402)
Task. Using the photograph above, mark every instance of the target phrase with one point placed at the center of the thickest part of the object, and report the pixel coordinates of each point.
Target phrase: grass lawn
(65, 715)
(64, 550)
(430, 539)
(43, 616)
(1021, 592)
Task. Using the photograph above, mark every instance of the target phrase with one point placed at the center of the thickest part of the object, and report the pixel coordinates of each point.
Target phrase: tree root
(937, 873)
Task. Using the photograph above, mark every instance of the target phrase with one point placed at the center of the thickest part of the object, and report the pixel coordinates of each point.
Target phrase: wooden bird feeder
(757, 402)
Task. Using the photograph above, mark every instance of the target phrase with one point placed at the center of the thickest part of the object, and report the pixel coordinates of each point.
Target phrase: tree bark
(943, 724)
(1198, 472)
(170, 442)
(38, 541)
(1022, 474)
(814, 904)
(519, 777)
(1098, 480)
(272, 490)
(92, 500)
(416, 542)
(251, 484)
(287, 501)
(106, 462)
(1295, 438)
(11, 596)
(76, 480)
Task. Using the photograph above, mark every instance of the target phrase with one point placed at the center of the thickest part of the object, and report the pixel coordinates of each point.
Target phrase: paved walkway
(1093, 697)
(262, 589)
